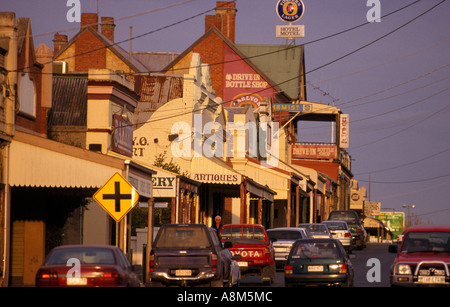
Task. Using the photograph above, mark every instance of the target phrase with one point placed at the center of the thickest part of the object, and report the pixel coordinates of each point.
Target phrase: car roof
(85, 246)
(298, 229)
(428, 228)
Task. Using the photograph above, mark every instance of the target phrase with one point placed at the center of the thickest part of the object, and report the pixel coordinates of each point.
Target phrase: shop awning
(39, 162)
(216, 171)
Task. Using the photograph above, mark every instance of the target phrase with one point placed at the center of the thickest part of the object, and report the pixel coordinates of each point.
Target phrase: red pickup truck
(255, 250)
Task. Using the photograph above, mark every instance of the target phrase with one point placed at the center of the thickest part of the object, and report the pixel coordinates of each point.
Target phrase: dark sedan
(86, 266)
(318, 262)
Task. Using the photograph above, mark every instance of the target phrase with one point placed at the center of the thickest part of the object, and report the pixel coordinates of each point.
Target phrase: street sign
(290, 10)
(117, 196)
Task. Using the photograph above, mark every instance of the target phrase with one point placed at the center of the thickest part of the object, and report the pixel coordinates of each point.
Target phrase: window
(27, 95)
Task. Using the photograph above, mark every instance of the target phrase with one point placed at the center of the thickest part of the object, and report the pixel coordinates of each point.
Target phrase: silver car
(339, 230)
(282, 240)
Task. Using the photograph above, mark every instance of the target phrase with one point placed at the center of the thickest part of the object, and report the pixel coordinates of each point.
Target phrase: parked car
(87, 265)
(423, 258)
(282, 240)
(191, 254)
(252, 244)
(316, 230)
(339, 230)
(355, 224)
(318, 262)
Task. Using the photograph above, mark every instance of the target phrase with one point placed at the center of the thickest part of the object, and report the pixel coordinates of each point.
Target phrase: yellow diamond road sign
(117, 196)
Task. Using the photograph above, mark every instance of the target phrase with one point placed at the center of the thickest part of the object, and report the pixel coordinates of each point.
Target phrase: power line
(240, 59)
(405, 164)
(319, 67)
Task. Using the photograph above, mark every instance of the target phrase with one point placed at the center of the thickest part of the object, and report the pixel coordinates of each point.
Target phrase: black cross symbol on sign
(117, 196)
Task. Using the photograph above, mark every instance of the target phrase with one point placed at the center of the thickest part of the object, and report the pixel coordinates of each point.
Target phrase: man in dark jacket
(217, 225)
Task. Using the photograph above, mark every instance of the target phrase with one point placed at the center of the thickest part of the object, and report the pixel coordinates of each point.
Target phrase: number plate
(431, 279)
(183, 272)
(242, 263)
(281, 249)
(315, 268)
(73, 281)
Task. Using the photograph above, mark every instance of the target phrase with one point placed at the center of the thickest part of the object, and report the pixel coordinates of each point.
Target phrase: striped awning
(40, 162)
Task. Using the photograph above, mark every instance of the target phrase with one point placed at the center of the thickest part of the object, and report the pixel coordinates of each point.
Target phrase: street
(362, 266)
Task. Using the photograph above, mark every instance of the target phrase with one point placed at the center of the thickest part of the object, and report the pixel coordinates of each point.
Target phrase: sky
(391, 77)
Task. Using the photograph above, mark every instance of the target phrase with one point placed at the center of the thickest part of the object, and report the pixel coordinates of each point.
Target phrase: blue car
(318, 262)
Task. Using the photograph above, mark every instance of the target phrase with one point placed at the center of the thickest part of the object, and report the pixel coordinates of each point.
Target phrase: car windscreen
(315, 250)
(85, 256)
(316, 228)
(183, 237)
(284, 235)
(426, 241)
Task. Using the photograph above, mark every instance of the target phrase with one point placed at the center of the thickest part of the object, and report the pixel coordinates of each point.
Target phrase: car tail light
(288, 269)
(342, 268)
(152, 262)
(214, 261)
(347, 235)
(359, 231)
(110, 277)
(46, 278)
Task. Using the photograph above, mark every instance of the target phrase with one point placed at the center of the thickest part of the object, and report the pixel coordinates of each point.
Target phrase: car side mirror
(393, 248)
(227, 244)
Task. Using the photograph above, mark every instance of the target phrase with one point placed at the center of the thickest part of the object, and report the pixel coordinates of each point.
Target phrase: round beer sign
(290, 10)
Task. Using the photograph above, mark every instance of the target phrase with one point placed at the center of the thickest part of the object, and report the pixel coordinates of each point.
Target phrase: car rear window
(183, 237)
(239, 232)
(335, 226)
(85, 256)
(322, 250)
(344, 216)
(284, 235)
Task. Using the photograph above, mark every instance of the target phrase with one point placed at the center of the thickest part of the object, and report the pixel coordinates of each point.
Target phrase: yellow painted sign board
(117, 196)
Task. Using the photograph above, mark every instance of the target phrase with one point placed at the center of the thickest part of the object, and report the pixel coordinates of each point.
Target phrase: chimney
(107, 26)
(59, 41)
(89, 19)
(224, 20)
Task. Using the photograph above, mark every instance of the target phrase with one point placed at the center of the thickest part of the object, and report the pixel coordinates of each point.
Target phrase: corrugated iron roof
(69, 101)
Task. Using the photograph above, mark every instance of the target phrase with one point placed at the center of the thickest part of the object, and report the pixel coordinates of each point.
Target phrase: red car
(252, 250)
(87, 266)
(423, 258)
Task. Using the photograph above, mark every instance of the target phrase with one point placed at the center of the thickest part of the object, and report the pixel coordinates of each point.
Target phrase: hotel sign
(290, 10)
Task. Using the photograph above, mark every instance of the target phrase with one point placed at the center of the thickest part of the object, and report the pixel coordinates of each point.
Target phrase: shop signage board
(117, 197)
(292, 107)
